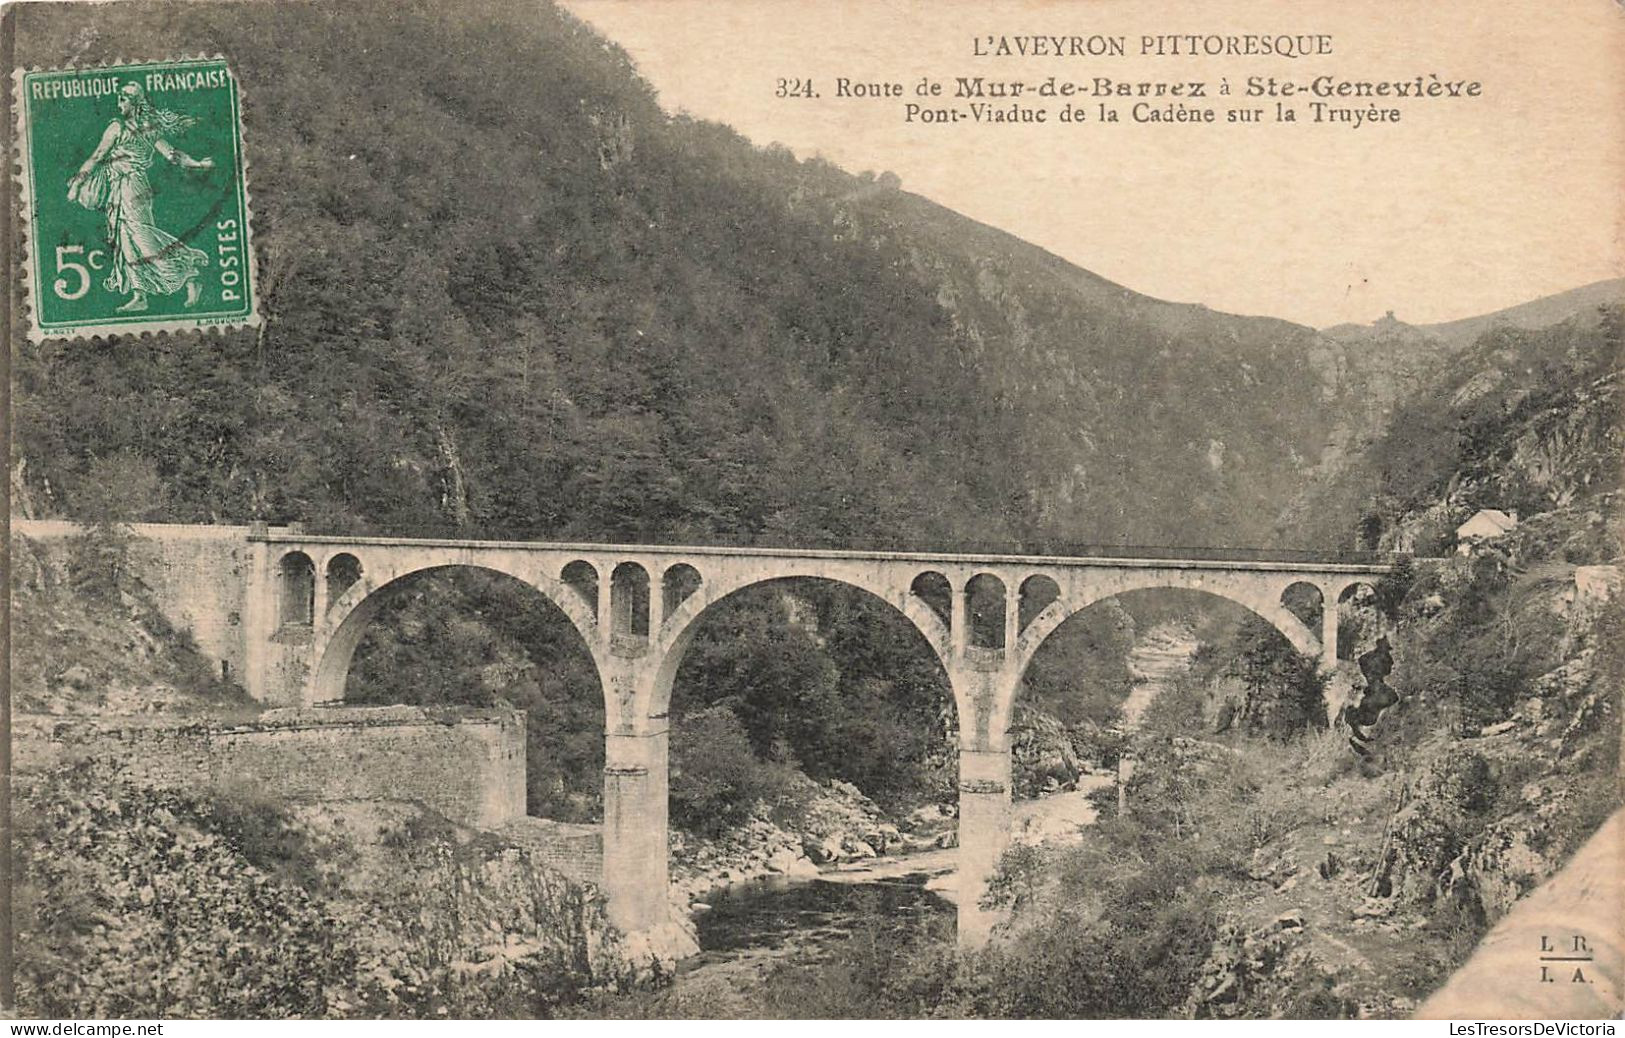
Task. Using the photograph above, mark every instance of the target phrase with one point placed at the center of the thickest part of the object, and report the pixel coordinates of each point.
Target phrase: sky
(1463, 207)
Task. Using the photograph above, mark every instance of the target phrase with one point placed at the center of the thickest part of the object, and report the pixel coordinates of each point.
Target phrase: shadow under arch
(1272, 612)
(677, 633)
(1353, 606)
(1080, 672)
(1305, 600)
(891, 738)
(348, 618)
(1060, 614)
(555, 679)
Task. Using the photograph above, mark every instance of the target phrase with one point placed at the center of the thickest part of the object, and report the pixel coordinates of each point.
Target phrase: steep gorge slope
(1524, 420)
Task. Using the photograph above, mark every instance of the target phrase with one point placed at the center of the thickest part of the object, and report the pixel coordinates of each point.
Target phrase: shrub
(1137, 958)
(137, 908)
(1101, 746)
(261, 830)
(98, 560)
(1311, 995)
(715, 778)
(1489, 684)
(134, 902)
(114, 490)
(417, 830)
(1016, 879)
(1392, 587)
(1469, 782)
(1453, 929)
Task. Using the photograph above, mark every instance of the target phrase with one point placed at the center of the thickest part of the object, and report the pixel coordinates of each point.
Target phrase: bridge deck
(1092, 555)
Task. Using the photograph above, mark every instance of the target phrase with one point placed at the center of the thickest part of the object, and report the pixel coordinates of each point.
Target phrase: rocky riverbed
(838, 836)
(745, 926)
(868, 849)
(1157, 657)
(834, 825)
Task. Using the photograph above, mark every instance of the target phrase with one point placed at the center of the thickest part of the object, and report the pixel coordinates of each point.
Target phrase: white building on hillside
(1486, 525)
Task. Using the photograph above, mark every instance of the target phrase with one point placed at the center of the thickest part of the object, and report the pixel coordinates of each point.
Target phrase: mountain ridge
(1530, 314)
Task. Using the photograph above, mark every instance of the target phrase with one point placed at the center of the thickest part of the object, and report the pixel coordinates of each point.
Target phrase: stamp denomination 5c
(135, 199)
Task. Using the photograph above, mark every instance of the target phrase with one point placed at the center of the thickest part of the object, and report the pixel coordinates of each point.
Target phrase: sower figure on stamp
(146, 259)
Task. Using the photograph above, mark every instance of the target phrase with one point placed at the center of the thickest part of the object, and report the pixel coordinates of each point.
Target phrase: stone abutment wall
(468, 765)
(198, 576)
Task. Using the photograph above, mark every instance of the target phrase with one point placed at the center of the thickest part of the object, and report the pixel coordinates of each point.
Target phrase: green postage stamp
(134, 199)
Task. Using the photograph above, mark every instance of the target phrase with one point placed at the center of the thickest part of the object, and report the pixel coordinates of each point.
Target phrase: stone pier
(635, 850)
(984, 832)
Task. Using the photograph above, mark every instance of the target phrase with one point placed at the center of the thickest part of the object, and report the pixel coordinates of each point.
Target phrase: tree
(113, 492)
(715, 778)
(1285, 691)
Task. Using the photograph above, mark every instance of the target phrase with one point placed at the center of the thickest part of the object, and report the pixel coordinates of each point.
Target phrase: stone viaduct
(299, 604)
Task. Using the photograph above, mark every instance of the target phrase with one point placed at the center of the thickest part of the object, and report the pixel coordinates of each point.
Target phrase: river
(752, 924)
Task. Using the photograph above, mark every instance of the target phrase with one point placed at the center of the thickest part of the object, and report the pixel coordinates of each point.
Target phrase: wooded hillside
(506, 295)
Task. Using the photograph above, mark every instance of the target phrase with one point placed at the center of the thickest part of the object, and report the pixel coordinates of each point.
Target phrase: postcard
(615, 509)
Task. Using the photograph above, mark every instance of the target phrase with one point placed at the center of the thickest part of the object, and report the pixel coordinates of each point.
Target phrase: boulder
(801, 868)
(848, 789)
(931, 816)
(883, 836)
(1292, 920)
(820, 851)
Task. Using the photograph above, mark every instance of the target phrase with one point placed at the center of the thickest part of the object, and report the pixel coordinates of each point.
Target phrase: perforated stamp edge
(28, 278)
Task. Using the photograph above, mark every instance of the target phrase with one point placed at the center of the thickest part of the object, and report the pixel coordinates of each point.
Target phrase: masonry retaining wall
(575, 849)
(468, 765)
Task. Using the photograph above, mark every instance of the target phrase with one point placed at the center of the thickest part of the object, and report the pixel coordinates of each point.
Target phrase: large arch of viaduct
(637, 607)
